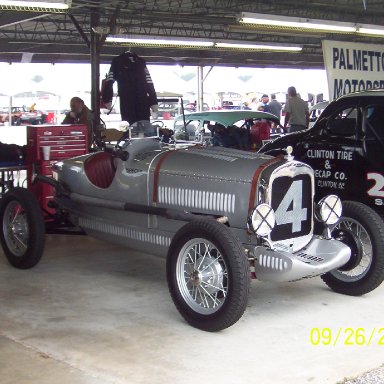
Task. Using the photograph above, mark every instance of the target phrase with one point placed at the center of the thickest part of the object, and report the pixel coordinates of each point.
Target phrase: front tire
(361, 228)
(208, 276)
(16, 121)
(22, 233)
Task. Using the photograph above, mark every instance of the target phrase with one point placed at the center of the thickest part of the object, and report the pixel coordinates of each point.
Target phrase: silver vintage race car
(218, 215)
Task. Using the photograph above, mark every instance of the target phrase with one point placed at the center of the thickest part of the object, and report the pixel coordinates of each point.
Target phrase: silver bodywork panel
(318, 257)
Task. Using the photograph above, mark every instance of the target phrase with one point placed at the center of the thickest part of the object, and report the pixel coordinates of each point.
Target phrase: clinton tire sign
(353, 67)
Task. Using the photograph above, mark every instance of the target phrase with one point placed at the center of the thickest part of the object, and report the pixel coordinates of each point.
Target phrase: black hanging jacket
(135, 87)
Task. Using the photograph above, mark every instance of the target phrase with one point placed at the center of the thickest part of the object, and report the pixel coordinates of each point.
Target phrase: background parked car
(227, 128)
(315, 111)
(191, 107)
(22, 115)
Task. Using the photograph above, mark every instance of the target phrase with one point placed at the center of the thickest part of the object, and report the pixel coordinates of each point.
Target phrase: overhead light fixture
(296, 22)
(196, 43)
(288, 22)
(373, 30)
(260, 47)
(154, 41)
(35, 6)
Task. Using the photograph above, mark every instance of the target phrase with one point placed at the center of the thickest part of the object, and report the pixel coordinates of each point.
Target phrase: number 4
(297, 214)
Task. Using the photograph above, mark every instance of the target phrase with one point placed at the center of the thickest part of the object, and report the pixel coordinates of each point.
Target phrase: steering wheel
(116, 150)
(124, 137)
(158, 122)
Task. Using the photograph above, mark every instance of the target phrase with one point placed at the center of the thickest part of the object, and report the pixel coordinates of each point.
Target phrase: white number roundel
(290, 210)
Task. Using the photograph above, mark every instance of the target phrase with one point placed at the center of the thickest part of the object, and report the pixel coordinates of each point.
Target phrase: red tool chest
(65, 141)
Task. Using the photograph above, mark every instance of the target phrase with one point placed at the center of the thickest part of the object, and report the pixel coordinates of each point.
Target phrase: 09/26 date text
(346, 336)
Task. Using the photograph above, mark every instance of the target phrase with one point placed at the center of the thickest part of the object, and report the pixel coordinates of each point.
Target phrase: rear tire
(22, 234)
(208, 276)
(362, 229)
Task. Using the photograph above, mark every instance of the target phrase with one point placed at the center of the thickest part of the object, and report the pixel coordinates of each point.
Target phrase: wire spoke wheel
(357, 238)
(15, 228)
(22, 233)
(207, 274)
(202, 276)
(362, 230)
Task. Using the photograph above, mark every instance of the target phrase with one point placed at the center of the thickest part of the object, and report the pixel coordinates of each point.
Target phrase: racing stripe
(156, 175)
(110, 76)
(256, 178)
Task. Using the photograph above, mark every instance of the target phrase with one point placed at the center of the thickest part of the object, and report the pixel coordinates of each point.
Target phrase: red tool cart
(64, 141)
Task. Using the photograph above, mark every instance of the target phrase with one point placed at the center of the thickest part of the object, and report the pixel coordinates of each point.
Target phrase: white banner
(353, 67)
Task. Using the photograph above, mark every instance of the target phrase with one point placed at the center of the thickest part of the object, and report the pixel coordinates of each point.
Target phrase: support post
(10, 111)
(200, 88)
(95, 72)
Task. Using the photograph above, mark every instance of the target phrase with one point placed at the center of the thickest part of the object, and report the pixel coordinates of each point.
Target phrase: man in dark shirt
(275, 106)
(80, 114)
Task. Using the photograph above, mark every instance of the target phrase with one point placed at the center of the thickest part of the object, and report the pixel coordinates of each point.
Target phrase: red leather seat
(100, 169)
(260, 131)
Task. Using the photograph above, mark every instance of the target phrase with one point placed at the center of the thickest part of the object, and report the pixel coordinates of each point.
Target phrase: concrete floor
(94, 313)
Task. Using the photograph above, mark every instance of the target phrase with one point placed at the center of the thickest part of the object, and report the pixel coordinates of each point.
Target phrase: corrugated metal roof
(56, 37)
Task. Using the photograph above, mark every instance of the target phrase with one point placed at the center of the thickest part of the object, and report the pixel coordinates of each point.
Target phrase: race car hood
(216, 180)
(214, 163)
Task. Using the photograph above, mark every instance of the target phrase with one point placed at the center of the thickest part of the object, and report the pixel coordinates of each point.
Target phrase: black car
(345, 147)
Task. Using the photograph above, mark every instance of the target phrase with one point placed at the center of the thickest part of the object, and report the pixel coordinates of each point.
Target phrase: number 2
(349, 332)
(377, 189)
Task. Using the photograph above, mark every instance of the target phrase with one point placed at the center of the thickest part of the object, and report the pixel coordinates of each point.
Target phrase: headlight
(330, 209)
(262, 220)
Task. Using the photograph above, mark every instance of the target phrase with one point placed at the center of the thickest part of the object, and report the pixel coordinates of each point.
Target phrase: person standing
(32, 107)
(275, 106)
(264, 104)
(253, 105)
(296, 112)
(245, 106)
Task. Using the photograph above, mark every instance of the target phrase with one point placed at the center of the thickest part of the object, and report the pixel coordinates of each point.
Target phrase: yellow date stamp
(346, 336)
